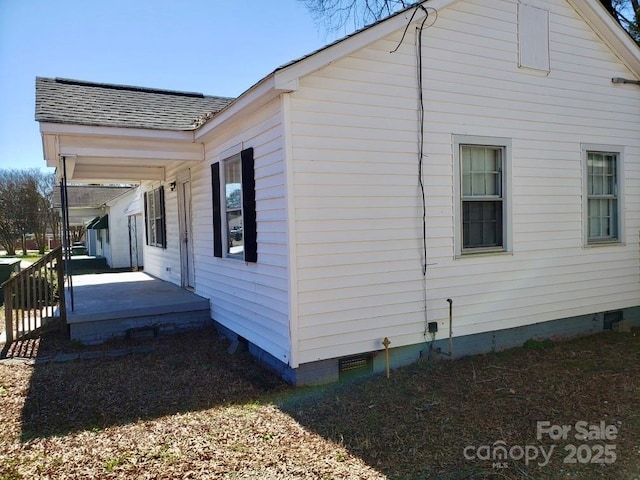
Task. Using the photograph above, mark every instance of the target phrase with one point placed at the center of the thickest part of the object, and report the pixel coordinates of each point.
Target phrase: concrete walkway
(108, 296)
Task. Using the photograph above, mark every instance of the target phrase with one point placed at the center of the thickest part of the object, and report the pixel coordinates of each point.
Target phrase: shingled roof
(60, 100)
(88, 196)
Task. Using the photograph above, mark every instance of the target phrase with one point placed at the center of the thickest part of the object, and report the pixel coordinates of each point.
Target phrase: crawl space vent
(610, 318)
(352, 366)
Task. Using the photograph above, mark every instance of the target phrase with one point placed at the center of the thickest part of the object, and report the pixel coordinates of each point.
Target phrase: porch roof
(102, 133)
(76, 102)
(99, 223)
(88, 196)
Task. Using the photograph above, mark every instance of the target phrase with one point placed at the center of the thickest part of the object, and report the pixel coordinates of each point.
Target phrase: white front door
(184, 220)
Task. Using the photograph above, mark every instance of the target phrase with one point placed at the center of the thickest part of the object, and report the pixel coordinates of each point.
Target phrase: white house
(481, 161)
(88, 209)
(123, 241)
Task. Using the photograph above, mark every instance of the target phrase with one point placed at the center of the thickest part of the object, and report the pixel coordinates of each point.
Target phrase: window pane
(233, 207)
(234, 232)
(602, 204)
(158, 232)
(233, 180)
(601, 169)
(603, 219)
(482, 224)
(481, 171)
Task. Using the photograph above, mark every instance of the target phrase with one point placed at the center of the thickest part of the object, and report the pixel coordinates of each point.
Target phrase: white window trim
(507, 221)
(223, 194)
(619, 150)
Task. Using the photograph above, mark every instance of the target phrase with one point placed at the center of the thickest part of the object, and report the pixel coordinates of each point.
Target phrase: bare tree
(54, 220)
(627, 13)
(9, 199)
(353, 14)
(14, 205)
(339, 14)
(23, 208)
(45, 218)
(77, 233)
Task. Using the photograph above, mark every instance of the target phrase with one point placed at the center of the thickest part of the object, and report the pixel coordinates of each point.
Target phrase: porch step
(86, 262)
(172, 320)
(112, 304)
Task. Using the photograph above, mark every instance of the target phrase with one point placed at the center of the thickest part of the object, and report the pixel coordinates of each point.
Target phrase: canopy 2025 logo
(593, 448)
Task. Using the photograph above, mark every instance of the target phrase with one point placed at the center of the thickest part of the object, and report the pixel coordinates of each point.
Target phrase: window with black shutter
(234, 207)
(155, 218)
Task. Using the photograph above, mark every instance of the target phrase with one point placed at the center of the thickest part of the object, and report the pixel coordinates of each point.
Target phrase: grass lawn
(188, 409)
(31, 256)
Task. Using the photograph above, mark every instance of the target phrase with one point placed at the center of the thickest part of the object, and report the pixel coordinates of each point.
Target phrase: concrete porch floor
(112, 304)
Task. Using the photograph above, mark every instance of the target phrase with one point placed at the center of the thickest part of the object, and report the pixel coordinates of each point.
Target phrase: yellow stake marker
(386, 344)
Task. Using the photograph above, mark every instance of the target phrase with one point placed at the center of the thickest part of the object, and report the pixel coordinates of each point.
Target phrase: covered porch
(108, 305)
(90, 138)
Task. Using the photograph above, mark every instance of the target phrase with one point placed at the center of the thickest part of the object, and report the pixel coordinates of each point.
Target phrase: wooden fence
(34, 297)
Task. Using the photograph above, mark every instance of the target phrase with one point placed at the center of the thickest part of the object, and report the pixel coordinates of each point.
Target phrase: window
(155, 217)
(603, 196)
(233, 207)
(233, 186)
(482, 210)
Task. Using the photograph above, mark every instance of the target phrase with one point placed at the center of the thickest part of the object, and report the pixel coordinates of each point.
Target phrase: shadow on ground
(418, 423)
(181, 373)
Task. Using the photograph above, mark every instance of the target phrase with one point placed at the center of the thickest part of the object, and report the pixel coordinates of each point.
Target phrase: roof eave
(255, 97)
(51, 133)
(59, 128)
(285, 79)
(290, 74)
(610, 32)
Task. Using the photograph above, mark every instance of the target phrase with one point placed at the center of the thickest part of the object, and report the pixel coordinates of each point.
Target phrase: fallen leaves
(188, 409)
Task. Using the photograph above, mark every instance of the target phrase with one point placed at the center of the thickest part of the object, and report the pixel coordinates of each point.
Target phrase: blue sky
(217, 47)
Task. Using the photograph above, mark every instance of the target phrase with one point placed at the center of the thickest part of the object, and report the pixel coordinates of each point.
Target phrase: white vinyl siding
(164, 263)
(357, 204)
(124, 238)
(249, 298)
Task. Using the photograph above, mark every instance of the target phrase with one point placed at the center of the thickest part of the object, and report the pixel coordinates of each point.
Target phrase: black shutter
(146, 219)
(249, 206)
(217, 215)
(163, 220)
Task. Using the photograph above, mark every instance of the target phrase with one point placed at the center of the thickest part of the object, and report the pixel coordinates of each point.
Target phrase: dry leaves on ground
(188, 409)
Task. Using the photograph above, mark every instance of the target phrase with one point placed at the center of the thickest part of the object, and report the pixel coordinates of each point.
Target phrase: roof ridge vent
(131, 88)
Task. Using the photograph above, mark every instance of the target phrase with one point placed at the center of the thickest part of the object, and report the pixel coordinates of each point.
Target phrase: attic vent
(353, 366)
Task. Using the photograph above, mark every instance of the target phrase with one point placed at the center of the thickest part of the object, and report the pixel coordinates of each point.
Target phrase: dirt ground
(189, 409)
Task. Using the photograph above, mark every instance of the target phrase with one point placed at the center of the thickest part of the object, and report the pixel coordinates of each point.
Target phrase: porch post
(66, 234)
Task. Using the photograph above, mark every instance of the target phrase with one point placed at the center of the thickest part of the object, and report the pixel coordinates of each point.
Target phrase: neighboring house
(110, 231)
(297, 208)
(126, 230)
(86, 202)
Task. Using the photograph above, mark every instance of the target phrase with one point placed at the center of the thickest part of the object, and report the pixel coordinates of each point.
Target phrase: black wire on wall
(421, 138)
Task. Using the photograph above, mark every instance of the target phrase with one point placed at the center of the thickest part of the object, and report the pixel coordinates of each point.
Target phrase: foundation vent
(356, 365)
(610, 318)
